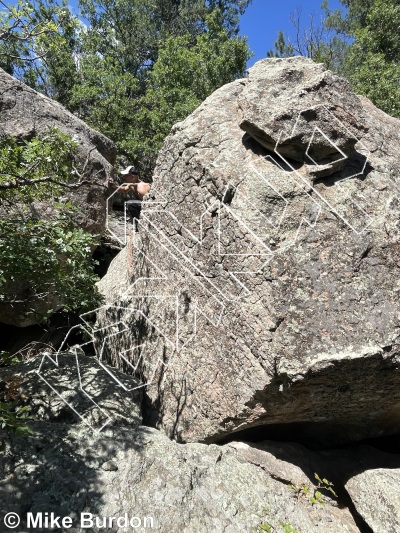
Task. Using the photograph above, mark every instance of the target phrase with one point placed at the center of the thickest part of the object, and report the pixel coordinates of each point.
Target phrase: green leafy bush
(13, 418)
(13, 415)
(36, 169)
(48, 259)
(273, 524)
(53, 255)
(313, 493)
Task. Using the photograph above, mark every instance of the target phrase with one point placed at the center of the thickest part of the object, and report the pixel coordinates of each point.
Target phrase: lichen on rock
(264, 287)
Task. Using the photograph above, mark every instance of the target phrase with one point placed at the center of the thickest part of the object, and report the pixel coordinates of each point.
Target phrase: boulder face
(24, 114)
(175, 488)
(261, 293)
(76, 461)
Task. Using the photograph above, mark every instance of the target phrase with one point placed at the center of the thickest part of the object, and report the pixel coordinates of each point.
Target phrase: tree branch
(23, 182)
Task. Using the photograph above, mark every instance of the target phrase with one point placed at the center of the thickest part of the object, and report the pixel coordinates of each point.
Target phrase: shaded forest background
(131, 69)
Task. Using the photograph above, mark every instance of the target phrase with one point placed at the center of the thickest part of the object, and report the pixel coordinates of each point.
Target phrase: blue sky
(264, 18)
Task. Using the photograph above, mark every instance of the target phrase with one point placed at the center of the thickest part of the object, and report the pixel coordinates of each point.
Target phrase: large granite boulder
(376, 498)
(24, 114)
(139, 472)
(75, 465)
(261, 293)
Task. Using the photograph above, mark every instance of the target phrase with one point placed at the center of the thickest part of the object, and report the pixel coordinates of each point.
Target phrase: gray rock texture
(24, 114)
(376, 497)
(338, 118)
(73, 387)
(72, 465)
(119, 274)
(185, 488)
(263, 290)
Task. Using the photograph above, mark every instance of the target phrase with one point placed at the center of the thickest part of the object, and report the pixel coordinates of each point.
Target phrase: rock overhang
(281, 259)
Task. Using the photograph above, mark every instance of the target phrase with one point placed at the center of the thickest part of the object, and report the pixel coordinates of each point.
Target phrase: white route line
(215, 294)
(107, 224)
(270, 253)
(196, 269)
(307, 182)
(344, 156)
(107, 417)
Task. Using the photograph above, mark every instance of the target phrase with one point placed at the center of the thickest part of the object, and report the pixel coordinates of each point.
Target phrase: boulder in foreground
(262, 292)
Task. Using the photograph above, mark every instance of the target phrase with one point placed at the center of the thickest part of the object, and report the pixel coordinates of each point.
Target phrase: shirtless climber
(140, 188)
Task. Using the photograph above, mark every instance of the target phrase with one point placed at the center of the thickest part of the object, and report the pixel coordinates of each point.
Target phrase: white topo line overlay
(264, 252)
(361, 149)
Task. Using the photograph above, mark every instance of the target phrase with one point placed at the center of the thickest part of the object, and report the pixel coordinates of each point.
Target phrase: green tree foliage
(283, 48)
(355, 16)
(13, 418)
(181, 78)
(361, 43)
(373, 61)
(318, 40)
(20, 29)
(107, 98)
(42, 259)
(35, 169)
(147, 65)
(53, 256)
(130, 61)
(13, 413)
(56, 73)
(130, 33)
(52, 253)
(229, 12)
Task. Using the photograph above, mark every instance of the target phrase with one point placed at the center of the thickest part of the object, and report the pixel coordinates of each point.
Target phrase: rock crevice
(266, 276)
